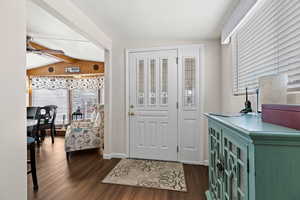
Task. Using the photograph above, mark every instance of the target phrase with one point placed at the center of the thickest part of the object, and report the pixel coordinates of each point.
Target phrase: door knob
(131, 113)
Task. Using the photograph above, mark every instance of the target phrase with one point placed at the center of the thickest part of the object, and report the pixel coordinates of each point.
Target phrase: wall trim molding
(106, 156)
(203, 163)
(114, 155)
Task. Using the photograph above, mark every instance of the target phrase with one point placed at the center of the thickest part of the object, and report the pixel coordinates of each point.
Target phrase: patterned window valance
(67, 83)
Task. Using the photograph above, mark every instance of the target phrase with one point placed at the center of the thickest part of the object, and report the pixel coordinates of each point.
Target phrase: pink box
(283, 115)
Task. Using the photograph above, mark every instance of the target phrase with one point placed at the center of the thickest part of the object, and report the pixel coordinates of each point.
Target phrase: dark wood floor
(80, 179)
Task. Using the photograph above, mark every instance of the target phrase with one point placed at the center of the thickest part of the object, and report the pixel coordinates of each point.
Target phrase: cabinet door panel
(235, 167)
(215, 158)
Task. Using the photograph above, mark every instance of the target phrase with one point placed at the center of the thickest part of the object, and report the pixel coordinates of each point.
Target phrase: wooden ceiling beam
(61, 57)
(58, 69)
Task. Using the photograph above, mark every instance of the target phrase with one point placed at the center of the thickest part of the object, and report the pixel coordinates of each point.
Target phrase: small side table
(77, 115)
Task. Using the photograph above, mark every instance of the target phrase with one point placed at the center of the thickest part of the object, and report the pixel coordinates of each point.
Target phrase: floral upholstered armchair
(89, 134)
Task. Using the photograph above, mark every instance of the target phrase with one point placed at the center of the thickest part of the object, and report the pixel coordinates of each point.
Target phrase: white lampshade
(273, 89)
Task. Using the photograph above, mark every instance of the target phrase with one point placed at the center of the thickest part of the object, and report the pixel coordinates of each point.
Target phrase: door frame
(179, 99)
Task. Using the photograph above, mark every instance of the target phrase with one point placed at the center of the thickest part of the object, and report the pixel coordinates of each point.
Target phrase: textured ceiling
(159, 19)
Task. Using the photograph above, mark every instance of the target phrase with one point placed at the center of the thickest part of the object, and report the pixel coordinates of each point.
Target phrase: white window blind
(268, 43)
(58, 97)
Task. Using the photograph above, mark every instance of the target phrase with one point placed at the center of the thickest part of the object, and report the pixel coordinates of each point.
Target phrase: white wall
(212, 84)
(231, 103)
(13, 176)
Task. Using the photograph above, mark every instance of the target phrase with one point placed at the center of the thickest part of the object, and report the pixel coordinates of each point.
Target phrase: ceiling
(127, 19)
(35, 60)
(52, 33)
(159, 19)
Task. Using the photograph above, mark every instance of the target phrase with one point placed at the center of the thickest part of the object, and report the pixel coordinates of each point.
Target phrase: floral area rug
(148, 173)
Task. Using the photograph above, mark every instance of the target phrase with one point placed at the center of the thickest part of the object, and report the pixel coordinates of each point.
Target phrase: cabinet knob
(220, 167)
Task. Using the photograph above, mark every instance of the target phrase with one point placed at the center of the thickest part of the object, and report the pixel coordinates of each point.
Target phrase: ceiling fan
(31, 49)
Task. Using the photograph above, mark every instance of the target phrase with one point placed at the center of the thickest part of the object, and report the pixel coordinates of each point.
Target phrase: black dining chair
(47, 118)
(33, 113)
(32, 162)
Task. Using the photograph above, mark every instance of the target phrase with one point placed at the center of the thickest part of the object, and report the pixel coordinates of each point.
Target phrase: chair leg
(37, 138)
(68, 156)
(54, 130)
(52, 135)
(43, 135)
(33, 166)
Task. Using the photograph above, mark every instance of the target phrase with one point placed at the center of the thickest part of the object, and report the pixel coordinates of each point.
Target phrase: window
(268, 43)
(58, 97)
(84, 99)
(68, 94)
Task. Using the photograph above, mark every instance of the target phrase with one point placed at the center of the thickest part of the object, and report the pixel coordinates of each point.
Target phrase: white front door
(190, 100)
(153, 113)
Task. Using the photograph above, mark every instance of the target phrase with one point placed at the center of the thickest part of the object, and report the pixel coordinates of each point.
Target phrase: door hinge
(248, 166)
(177, 58)
(177, 148)
(177, 105)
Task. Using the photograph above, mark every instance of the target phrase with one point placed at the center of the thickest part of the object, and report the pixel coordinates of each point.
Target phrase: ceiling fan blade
(32, 49)
(51, 51)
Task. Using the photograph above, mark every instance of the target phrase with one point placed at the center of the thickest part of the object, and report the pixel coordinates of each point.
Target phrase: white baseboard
(204, 163)
(106, 156)
(114, 155)
(118, 155)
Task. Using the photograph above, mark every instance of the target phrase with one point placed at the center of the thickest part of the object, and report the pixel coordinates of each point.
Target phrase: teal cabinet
(215, 174)
(252, 160)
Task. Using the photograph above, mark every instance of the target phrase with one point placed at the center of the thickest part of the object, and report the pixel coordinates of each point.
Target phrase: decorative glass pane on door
(152, 82)
(141, 82)
(189, 81)
(164, 82)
